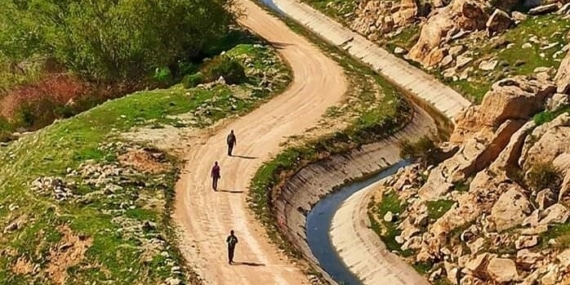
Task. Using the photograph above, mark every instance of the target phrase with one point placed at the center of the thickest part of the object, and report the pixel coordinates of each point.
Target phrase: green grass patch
(388, 231)
(422, 267)
(547, 116)
(117, 254)
(438, 208)
(336, 9)
(515, 60)
(558, 232)
(406, 39)
(461, 186)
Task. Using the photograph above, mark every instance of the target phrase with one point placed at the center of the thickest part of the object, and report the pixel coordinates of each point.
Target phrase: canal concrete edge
(308, 186)
(302, 191)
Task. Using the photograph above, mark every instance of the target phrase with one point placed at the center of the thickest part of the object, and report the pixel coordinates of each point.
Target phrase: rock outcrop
(446, 23)
(376, 18)
(510, 210)
(563, 76)
(491, 209)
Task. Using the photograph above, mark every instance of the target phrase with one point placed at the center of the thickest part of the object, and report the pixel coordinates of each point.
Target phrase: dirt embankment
(302, 191)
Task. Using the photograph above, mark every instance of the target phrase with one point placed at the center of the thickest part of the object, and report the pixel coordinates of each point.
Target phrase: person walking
(232, 141)
(215, 176)
(231, 241)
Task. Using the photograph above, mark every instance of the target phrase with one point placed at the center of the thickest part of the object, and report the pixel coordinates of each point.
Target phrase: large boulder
(516, 98)
(499, 22)
(528, 259)
(508, 158)
(373, 18)
(511, 209)
(544, 9)
(443, 24)
(565, 187)
(478, 265)
(473, 156)
(503, 270)
(465, 211)
(555, 214)
(407, 12)
(562, 78)
(547, 142)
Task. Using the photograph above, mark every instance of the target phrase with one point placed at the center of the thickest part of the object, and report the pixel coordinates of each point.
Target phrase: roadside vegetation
(80, 204)
(59, 58)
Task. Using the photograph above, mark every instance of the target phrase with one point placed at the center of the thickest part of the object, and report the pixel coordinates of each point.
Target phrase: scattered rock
(399, 240)
(556, 213)
(550, 141)
(173, 281)
(478, 265)
(549, 46)
(498, 22)
(544, 9)
(488, 65)
(557, 101)
(477, 245)
(564, 9)
(526, 242)
(518, 16)
(456, 50)
(389, 217)
(510, 210)
(11, 227)
(399, 50)
(551, 276)
(527, 45)
(447, 60)
(448, 23)
(502, 270)
(564, 258)
(562, 77)
(462, 61)
(545, 198)
(527, 258)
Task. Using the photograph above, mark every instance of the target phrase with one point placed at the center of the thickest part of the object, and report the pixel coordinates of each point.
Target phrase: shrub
(544, 175)
(543, 117)
(424, 150)
(230, 69)
(163, 75)
(192, 80)
(109, 40)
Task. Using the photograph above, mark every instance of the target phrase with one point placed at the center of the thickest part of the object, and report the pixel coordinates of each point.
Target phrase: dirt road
(205, 216)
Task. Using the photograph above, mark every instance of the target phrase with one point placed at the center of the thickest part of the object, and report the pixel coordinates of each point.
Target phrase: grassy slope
(515, 60)
(512, 61)
(113, 257)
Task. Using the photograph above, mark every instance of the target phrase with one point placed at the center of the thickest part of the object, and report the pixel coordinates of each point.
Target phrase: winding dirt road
(205, 217)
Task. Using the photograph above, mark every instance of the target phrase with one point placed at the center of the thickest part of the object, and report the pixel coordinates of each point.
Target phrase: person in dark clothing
(231, 241)
(215, 176)
(232, 141)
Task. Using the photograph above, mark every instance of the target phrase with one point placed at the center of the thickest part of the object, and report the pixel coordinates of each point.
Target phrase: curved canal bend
(437, 103)
(319, 222)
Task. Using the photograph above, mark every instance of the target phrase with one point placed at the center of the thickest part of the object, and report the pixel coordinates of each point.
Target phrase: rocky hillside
(466, 43)
(495, 211)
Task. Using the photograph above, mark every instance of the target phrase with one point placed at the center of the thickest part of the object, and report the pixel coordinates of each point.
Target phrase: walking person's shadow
(249, 263)
(245, 157)
(230, 191)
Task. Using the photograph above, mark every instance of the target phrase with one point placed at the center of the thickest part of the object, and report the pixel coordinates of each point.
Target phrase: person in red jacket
(215, 176)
